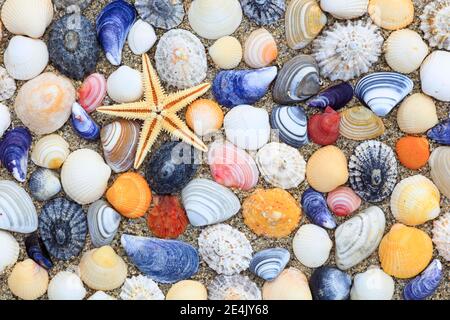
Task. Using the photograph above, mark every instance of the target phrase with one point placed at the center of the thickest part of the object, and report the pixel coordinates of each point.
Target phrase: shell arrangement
(315, 136)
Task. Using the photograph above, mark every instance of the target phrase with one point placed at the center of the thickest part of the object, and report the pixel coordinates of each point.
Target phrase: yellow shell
(327, 169)
(291, 284)
(417, 114)
(226, 52)
(405, 251)
(50, 152)
(391, 14)
(260, 49)
(187, 290)
(28, 280)
(360, 123)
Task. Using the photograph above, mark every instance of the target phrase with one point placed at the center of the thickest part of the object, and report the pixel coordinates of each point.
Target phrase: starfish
(159, 112)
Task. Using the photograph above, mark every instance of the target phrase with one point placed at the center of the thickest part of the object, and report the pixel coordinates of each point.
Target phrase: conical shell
(391, 14)
(373, 284)
(291, 284)
(226, 52)
(103, 223)
(440, 169)
(435, 23)
(141, 288)
(360, 123)
(66, 285)
(50, 152)
(417, 114)
(28, 281)
(10, 250)
(345, 9)
(312, 245)
(187, 290)
(236, 287)
(260, 49)
(433, 75)
(141, 37)
(441, 235)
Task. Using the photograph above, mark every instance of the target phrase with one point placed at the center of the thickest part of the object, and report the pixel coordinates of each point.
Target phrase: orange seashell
(272, 212)
(167, 219)
(405, 251)
(413, 152)
(130, 195)
(204, 116)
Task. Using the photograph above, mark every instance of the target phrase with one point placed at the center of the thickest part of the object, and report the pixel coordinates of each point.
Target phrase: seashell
(312, 245)
(119, 140)
(235, 287)
(298, 80)
(291, 124)
(391, 14)
(73, 46)
(83, 124)
(343, 9)
(358, 237)
(37, 251)
(336, 97)
(171, 167)
(28, 281)
(10, 250)
(5, 119)
(113, 24)
(260, 49)
(433, 24)
(142, 36)
(103, 223)
(66, 4)
(225, 249)
(66, 285)
(441, 235)
(245, 133)
(413, 152)
(346, 51)
(329, 283)
(7, 89)
(92, 92)
(102, 269)
(187, 290)
(44, 104)
(29, 18)
(25, 58)
(417, 114)
(304, 21)
(14, 147)
(263, 12)
(405, 51)
(226, 52)
(165, 261)
(373, 171)
(373, 284)
(17, 208)
(141, 288)
(50, 152)
(44, 184)
(164, 14)
(167, 219)
(323, 128)
(101, 295)
(231, 166)
(235, 87)
(405, 251)
(343, 201)
(281, 165)
(433, 75)
(426, 284)
(130, 195)
(125, 85)
(204, 15)
(440, 168)
(327, 169)
(441, 132)
(315, 207)
(359, 123)
(291, 284)
(272, 213)
(181, 59)
(204, 117)
(269, 263)
(84, 176)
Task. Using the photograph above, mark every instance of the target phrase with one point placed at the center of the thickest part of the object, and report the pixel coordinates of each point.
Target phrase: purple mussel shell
(441, 132)
(425, 284)
(316, 209)
(14, 148)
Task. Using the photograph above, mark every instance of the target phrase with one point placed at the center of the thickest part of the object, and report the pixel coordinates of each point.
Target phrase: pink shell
(231, 166)
(343, 201)
(92, 92)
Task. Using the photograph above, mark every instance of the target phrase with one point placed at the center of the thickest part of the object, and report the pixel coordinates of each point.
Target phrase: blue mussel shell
(335, 97)
(441, 132)
(14, 147)
(83, 124)
(425, 284)
(315, 207)
(36, 251)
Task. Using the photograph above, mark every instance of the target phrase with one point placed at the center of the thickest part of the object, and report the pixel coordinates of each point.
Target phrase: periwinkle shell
(316, 209)
(291, 123)
(269, 263)
(164, 14)
(83, 124)
(441, 132)
(335, 97)
(426, 283)
(44, 184)
(263, 12)
(329, 283)
(14, 147)
(37, 252)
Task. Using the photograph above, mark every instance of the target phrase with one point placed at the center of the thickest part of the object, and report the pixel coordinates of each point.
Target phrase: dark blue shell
(335, 97)
(328, 283)
(171, 167)
(269, 263)
(63, 228)
(292, 125)
(83, 124)
(425, 284)
(165, 14)
(263, 12)
(235, 87)
(315, 207)
(441, 132)
(165, 261)
(113, 24)
(14, 147)
(37, 252)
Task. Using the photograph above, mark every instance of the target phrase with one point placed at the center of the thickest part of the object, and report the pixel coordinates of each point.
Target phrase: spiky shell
(236, 287)
(435, 23)
(141, 288)
(441, 235)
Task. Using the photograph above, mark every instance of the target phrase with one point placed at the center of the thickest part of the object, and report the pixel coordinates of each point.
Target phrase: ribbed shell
(263, 12)
(141, 288)
(440, 169)
(269, 263)
(291, 284)
(417, 114)
(343, 201)
(66, 285)
(165, 14)
(345, 9)
(291, 124)
(435, 23)
(260, 49)
(50, 152)
(28, 280)
(226, 52)
(441, 235)
(391, 15)
(103, 222)
(360, 123)
(236, 287)
(10, 250)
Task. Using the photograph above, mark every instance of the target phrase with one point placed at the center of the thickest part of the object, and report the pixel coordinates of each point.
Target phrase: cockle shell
(335, 97)
(141, 288)
(5, 119)
(440, 169)
(281, 165)
(7, 88)
(269, 263)
(225, 249)
(360, 123)
(181, 59)
(358, 237)
(167, 219)
(103, 223)
(83, 124)
(44, 184)
(226, 52)
(290, 123)
(92, 92)
(441, 235)
(315, 208)
(187, 290)
(101, 295)
(426, 284)
(37, 251)
(263, 12)
(433, 75)
(413, 152)
(329, 283)
(260, 49)
(28, 281)
(66, 285)
(440, 133)
(323, 128)
(164, 14)
(125, 85)
(10, 250)
(434, 23)
(50, 152)
(204, 116)
(417, 114)
(141, 38)
(235, 287)
(312, 245)
(212, 19)
(391, 14)
(373, 284)
(345, 9)
(343, 201)
(291, 284)
(14, 147)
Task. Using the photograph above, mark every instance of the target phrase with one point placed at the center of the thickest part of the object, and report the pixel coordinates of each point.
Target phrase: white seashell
(125, 85)
(25, 58)
(207, 202)
(141, 288)
(312, 245)
(103, 223)
(434, 77)
(212, 19)
(434, 23)
(9, 252)
(247, 127)
(236, 287)
(5, 119)
(417, 114)
(141, 38)
(373, 284)
(101, 295)
(440, 169)
(84, 176)
(66, 285)
(7, 84)
(50, 152)
(18, 213)
(358, 237)
(441, 235)
(226, 52)
(260, 49)
(345, 9)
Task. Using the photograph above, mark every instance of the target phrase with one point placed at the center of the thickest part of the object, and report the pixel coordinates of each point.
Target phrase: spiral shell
(28, 280)
(359, 123)
(50, 152)
(440, 168)
(260, 49)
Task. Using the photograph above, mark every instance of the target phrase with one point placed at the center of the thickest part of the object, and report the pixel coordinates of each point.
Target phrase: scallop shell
(315, 207)
(345, 9)
(440, 169)
(50, 152)
(312, 245)
(343, 201)
(434, 75)
(204, 117)
(360, 123)
(101, 295)
(7, 88)
(417, 114)
(28, 281)
(281, 165)
(164, 14)
(212, 19)
(92, 92)
(167, 219)
(330, 284)
(125, 85)
(235, 287)
(83, 125)
(66, 285)
(226, 52)
(269, 263)
(263, 12)
(441, 235)
(14, 148)
(225, 249)
(391, 14)
(103, 222)
(291, 125)
(426, 284)
(187, 290)
(5, 119)
(141, 288)
(291, 284)
(373, 284)
(434, 23)
(358, 237)
(10, 250)
(44, 184)
(37, 251)
(260, 49)
(141, 38)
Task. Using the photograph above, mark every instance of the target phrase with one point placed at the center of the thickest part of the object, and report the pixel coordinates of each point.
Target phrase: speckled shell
(343, 201)
(125, 85)
(187, 290)
(10, 250)
(141, 288)
(291, 284)
(441, 235)
(5, 119)
(226, 52)
(360, 123)
(312, 245)
(291, 124)
(263, 12)
(329, 283)
(7, 88)
(434, 23)
(440, 169)
(391, 14)
(50, 152)
(417, 114)
(142, 37)
(103, 223)
(92, 92)
(66, 285)
(28, 281)
(434, 75)
(373, 284)
(426, 284)
(269, 263)
(164, 14)
(260, 49)
(235, 287)
(44, 184)
(345, 9)
(315, 208)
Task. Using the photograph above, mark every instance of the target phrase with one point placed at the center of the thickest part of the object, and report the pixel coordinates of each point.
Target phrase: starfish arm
(154, 92)
(150, 131)
(177, 128)
(177, 101)
(130, 111)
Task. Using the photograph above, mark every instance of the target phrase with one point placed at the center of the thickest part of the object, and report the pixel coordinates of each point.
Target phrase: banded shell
(433, 75)
(187, 290)
(7, 89)
(315, 207)
(28, 280)
(44, 184)
(37, 251)
(103, 223)
(141, 38)
(440, 167)
(291, 284)
(66, 285)
(235, 287)
(440, 132)
(101, 295)
(167, 219)
(323, 128)
(263, 12)
(426, 284)
(226, 52)
(391, 14)
(164, 14)
(260, 49)
(345, 9)
(434, 25)
(312, 245)
(92, 92)
(417, 114)
(125, 85)
(5, 119)
(141, 288)
(10, 250)
(291, 124)
(373, 284)
(204, 117)
(83, 125)
(343, 201)
(329, 283)
(50, 152)
(359, 123)
(14, 147)
(269, 263)
(441, 235)
(335, 97)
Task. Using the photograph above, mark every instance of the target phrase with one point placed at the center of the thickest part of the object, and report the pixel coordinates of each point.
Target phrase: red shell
(167, 219)
(323, 128)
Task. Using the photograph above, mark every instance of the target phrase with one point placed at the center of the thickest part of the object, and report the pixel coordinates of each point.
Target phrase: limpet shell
(50, 152)
(291, 284)
(28, 281)
(235, 287)
(263, 12)
(435, 23)
(165, 14)
(226, 52)
(417, 114)
(360, 123)
(441, 235)
(440, 169)
(373, 284)
(10, 250)
(391, 14)
(140, 288)
(260, 49)
(312, 245)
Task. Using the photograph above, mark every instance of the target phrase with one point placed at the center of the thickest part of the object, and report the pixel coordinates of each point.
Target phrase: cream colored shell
(28, 280)
(391, 14)
(226, 52)
(441, 235)
(373, 284)
(291, 284)
(417, 114)
(345, 9)
(141, 288)
(440, 169)
(50, 152)
(66, 285)
(125, 85)
(434, 77)
(9, 252)
(187, 290)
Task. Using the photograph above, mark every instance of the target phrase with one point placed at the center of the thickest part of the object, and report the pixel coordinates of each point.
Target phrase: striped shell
(360, 123)
(441, 235)
(260, 49)
(343, 201)
(92, 92)
(50, 152)
(440, 169)
(103, 223)
(269, 263)
(235, 287)
(290, 123)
